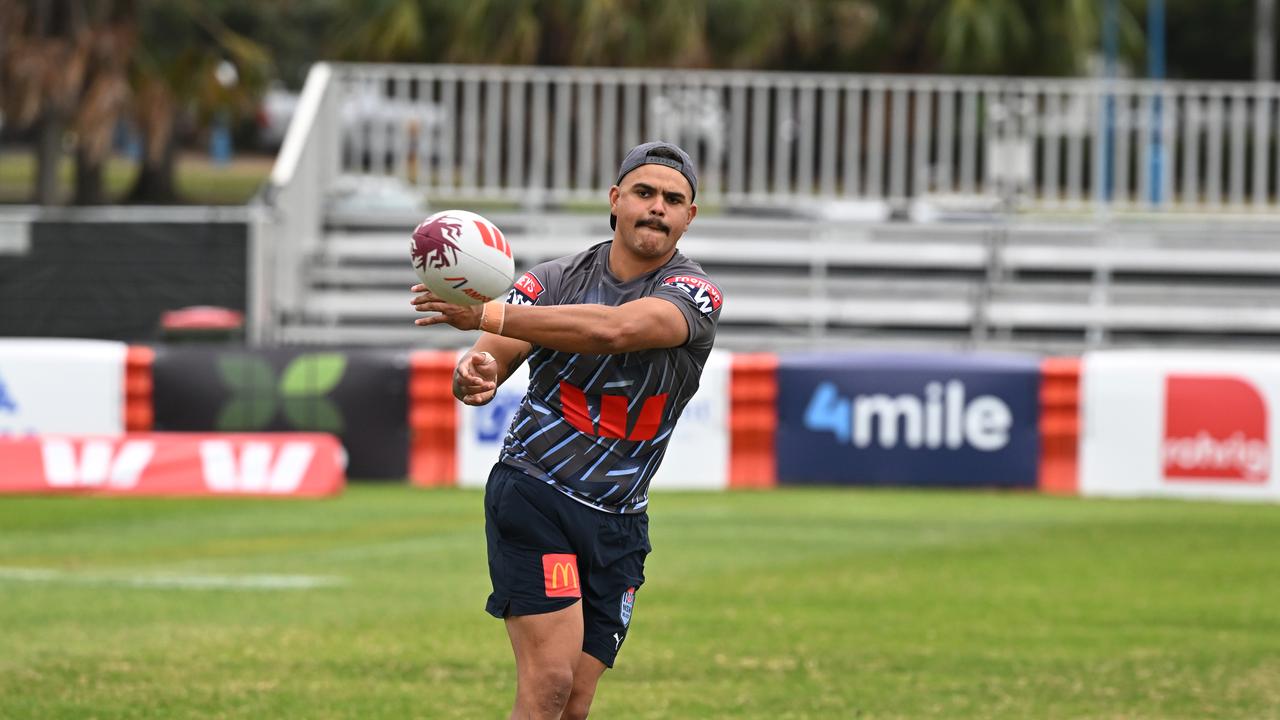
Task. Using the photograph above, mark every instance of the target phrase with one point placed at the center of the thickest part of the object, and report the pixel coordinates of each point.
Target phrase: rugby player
(616, 337)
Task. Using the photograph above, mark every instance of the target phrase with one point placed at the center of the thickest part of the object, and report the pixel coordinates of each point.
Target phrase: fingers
(478, 398)
(475, 389)
(425, 299)
(472, 381)
(443, 316)
(479, 372)
(424, 296)
(423, 305)
(433, 320)
(471, 387)
(430, 302)
(475, 378)
(463, 317)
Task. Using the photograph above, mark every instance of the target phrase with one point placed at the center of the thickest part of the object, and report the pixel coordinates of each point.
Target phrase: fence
(549, 134)
(873, 144)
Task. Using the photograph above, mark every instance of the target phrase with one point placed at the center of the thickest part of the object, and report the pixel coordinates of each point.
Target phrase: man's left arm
(643, 324)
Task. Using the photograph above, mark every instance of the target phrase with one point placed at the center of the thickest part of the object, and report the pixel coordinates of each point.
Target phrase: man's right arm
(487, 365)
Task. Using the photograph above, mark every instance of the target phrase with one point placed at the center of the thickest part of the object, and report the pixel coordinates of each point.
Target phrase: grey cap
(643, 154)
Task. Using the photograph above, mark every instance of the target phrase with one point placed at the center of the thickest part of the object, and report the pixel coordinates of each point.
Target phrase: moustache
(655, 224)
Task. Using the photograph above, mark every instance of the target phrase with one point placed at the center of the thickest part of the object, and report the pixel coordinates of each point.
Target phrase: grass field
(199, 180)
(784, 604)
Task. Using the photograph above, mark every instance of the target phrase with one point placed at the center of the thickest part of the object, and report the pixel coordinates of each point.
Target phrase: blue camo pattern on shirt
(596, 426)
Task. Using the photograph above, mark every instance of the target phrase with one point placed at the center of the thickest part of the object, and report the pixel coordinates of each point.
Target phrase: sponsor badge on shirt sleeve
(526, 290)
(706, 296)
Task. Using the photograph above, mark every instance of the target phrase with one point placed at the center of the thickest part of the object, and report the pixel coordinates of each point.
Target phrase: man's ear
(615, 192)
(693, 211)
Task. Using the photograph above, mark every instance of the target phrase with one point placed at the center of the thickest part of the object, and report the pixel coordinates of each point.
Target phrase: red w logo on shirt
(613, 414)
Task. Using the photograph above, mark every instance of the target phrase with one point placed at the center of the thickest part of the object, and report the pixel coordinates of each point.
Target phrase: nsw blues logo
(526, 290)
(628, 602)
(705, 295)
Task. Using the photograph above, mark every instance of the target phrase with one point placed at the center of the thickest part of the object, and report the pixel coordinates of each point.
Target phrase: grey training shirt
(596, 426)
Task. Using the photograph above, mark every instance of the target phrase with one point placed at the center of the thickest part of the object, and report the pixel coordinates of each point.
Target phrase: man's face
(654, 206)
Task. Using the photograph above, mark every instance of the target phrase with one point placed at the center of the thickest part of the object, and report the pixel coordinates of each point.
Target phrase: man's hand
(463, 317)
(475, 379)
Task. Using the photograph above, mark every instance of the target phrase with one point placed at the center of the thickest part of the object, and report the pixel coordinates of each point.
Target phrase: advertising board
(1179, 424)
(61, 386)
(266, 464)
(359, 395)
(908, 419)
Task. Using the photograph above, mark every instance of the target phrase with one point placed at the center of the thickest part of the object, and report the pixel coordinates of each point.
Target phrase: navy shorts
(547, 551)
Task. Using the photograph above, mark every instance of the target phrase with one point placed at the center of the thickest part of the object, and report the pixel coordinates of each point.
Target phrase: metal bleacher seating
(838, 211)
(796, 283)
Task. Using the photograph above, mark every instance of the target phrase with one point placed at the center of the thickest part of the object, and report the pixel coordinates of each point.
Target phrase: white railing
(548, 134)
(288, 226)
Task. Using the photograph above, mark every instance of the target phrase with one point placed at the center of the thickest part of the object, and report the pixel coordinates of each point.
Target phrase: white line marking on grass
(171, 580)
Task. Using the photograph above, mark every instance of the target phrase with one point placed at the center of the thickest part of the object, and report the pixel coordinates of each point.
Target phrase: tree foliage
(73, 68)
(56, 57)
(1022, 37)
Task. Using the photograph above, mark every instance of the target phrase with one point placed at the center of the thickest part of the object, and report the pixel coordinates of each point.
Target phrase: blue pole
(1110, 46)
(1155, 70)
(220, 139)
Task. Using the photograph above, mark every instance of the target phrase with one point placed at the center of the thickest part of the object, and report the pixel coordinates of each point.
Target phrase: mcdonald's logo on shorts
(560, 575)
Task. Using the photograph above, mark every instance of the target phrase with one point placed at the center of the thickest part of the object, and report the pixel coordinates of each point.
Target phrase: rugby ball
(462, 257)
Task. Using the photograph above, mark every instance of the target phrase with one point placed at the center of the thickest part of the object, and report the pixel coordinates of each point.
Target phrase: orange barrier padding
(753, 420)
(433, 419)
(1060, 425)
(139, 405)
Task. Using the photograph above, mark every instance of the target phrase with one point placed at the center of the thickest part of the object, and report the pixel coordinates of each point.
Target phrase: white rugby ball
(462, 257)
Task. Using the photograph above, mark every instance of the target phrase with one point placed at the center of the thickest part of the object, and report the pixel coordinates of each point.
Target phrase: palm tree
(45, 53)
(70, 66)
(183, 65)
(627, 33)
(387, 31)
(105, 96)
(796, 35)
(754, 34)
(1020, 37)
(624, 33)
(506, 32)
(461, 31)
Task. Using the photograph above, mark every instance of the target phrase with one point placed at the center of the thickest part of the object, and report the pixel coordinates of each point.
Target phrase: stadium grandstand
(838, 210)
